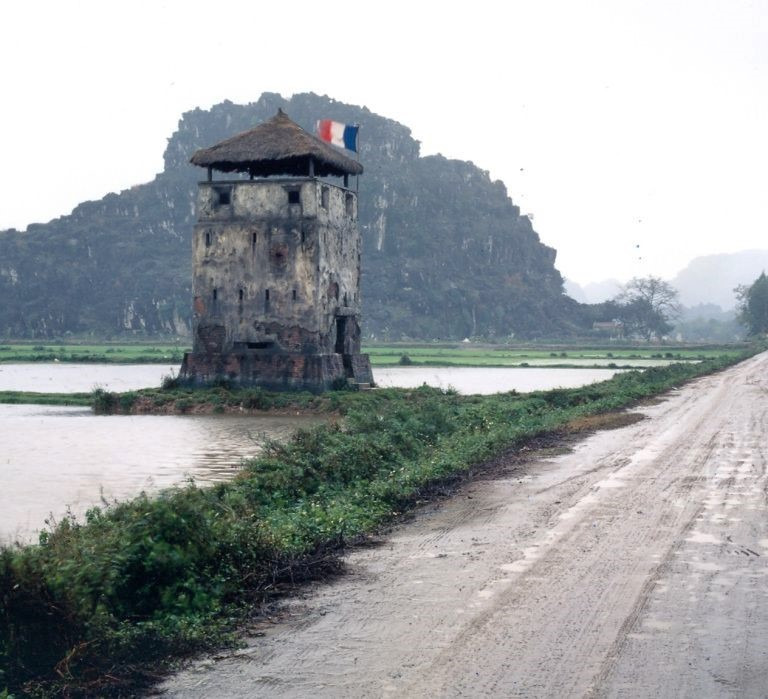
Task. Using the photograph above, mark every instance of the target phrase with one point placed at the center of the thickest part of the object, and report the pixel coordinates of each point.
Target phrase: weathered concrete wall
(276, 270)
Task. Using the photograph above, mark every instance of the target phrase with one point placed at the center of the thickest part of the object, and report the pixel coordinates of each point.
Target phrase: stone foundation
(277, 371)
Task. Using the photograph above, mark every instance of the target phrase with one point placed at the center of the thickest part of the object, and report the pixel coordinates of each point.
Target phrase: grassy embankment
(96, 602)
(32, 398)
(177, 399)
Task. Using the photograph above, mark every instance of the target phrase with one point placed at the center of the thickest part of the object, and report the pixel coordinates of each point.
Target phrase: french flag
(338, 134)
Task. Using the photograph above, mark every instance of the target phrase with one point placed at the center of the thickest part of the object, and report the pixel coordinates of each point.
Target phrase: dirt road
(634, 566)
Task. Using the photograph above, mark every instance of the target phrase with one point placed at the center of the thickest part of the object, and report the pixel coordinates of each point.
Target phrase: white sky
(616, 123)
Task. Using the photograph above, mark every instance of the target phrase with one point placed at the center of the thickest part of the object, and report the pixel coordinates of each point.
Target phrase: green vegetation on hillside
(94, 602)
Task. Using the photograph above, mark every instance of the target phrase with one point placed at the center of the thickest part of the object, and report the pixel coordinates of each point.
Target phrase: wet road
(634, 566)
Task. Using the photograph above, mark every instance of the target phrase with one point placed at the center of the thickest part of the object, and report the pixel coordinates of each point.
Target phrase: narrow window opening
(215, 294)
(222, 195)
(303, 236)
(266, 300)
(349, 203)
(345, 300)
(294, 294)
(254, 238)
(208, 240)
(240, 295)
(324, 195)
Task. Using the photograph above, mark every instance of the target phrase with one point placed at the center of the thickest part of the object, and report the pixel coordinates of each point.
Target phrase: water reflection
(55, 457)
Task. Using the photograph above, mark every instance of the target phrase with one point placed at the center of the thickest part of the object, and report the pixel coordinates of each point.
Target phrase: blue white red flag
(338, 134)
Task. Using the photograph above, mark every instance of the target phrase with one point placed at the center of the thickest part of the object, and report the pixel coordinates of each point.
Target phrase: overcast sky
(636, 133)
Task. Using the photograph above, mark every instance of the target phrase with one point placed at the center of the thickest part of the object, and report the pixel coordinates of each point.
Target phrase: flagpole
(357, 153)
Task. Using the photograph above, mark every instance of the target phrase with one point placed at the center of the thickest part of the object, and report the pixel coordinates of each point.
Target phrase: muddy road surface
(634, 566)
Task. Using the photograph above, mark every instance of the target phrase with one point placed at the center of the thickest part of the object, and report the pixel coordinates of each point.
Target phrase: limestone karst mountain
(446, 252)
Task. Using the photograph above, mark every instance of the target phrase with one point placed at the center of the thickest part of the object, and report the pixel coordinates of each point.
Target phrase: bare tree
(650, 303)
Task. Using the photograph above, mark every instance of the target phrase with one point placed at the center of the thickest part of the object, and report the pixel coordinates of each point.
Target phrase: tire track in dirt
(583, 574)
(703, 632)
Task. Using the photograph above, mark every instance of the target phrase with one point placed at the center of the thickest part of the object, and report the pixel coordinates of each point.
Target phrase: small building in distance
(610, 328)
(276, 264)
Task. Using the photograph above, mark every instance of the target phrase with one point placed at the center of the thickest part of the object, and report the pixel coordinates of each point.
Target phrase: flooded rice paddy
(54, 458)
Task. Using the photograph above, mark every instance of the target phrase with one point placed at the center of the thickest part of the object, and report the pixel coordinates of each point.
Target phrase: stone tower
(276, 264)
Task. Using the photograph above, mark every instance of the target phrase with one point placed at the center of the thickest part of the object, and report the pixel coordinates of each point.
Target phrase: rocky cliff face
(112, 267)
(446, 253)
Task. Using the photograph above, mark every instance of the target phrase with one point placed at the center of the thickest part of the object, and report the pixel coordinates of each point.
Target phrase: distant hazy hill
(594, 292)
(711, 279)
(446, 252)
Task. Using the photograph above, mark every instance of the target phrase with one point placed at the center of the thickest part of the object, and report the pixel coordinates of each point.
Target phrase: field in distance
(158, 353)
(554, 356)
(459, 354)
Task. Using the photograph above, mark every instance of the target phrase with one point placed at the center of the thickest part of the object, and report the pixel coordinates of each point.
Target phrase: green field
(32, 398)
(393, 354)
(472, 355)
(121, 354)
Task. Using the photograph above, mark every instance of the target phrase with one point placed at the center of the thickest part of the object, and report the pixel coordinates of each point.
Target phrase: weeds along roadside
(96, 604)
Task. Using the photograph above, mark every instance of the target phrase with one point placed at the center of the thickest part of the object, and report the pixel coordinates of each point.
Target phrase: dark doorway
(341, 333)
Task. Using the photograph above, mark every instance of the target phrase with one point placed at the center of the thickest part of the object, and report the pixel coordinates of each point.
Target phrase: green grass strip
(32, 398)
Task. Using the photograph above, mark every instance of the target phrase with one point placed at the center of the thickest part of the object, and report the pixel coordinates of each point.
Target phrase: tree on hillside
(645, 307)
(753, 305)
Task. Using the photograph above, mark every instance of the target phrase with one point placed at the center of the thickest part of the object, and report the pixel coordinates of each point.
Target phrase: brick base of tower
(277, 371)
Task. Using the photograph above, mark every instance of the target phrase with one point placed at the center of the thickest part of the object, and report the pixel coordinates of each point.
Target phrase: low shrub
(255, 399)
(104, 402)
(170, 381)
(184, 405)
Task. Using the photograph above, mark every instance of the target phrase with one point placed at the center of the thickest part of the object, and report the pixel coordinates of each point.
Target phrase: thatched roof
(279, 146)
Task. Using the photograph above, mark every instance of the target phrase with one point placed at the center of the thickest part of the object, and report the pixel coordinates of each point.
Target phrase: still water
(52, 458)
(469, 380)
(82, 378)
